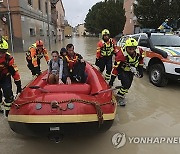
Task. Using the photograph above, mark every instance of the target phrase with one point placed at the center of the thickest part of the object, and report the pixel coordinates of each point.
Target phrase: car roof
(159, 34)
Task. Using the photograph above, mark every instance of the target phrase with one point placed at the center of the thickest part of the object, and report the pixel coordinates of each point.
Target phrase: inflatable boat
(42, 109)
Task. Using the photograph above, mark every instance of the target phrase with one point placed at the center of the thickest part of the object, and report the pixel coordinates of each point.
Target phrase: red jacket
(8, 67)
(101, 45)
(122, 60)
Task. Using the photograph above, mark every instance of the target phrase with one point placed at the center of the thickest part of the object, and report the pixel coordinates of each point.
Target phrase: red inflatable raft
(42, 108)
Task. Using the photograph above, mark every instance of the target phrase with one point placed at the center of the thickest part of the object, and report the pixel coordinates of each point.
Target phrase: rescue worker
(128, 63)
(164, 25)
(76, 65)
(34, 55)
(105, 50)
(7, 69)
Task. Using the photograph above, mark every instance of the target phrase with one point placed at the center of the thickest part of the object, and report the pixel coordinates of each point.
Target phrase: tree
(151, 13)
(108, 14)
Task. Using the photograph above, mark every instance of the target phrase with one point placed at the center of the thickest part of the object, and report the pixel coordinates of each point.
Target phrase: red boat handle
(107, 90)
(39, 88)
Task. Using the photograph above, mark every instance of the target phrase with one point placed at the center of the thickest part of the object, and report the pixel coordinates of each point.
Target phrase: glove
(135, 72)
(113, 77)
(18, 84)
(97, 63)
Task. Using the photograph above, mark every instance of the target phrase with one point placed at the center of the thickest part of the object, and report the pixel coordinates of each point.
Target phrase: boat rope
(56, 104)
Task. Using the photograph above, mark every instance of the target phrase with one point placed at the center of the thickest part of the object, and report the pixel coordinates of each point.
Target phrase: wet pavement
(150, 112)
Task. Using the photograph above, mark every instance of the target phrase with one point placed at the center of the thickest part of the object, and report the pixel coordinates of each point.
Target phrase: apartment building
(29, 20)
(131, 25)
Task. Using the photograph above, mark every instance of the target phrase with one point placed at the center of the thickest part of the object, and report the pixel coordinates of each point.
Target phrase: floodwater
(150, 112)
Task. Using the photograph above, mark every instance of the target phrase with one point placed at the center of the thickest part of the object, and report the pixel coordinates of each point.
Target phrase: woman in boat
(58, 70)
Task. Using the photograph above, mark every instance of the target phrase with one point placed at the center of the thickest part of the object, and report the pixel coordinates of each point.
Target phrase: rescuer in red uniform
(7, 69)
(34, 55)
(105, 50)
(128, 63)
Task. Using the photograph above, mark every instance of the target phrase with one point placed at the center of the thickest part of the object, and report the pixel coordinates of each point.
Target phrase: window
(32, 32)
(39, 4)
(53, 33)
(41, 32)
(46, 7)
(30, 2)
(47, 32)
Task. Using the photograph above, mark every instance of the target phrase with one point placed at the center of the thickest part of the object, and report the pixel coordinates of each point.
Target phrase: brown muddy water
(150, 112)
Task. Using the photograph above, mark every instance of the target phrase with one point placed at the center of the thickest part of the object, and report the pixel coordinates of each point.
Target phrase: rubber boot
(1, 107)
(121, 100)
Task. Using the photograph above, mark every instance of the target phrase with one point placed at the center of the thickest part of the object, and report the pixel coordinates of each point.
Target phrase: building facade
(28, 21)
(68, 30)
(131, 25)
(80, 29)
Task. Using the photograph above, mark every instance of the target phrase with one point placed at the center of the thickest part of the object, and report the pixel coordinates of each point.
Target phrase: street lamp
(10, 27)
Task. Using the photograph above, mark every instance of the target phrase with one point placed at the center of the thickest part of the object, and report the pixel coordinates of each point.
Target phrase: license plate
(54, 128)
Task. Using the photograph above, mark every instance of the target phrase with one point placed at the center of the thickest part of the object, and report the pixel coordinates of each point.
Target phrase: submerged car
(162, 56)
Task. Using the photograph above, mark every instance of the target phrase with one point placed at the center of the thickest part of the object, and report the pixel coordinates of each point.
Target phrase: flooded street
(150, 112)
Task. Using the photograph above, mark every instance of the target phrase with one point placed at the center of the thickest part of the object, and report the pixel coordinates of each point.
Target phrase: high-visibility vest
(134, 62)
(107, 49)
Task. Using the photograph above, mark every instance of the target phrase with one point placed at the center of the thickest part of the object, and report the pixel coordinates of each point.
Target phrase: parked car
(162, 56)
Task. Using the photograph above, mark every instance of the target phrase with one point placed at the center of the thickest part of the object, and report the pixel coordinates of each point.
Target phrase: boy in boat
(128, 63)
(7, 69)
(76, 65)
(34, 55)
(105, 50)
(63, 52)
(58, 70)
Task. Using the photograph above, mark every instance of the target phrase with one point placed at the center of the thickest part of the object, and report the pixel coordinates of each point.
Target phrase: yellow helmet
(3, 44)
(167, 20)
(131, 42)
(105, 32)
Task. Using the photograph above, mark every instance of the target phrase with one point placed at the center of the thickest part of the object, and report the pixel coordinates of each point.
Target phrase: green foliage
(108, 14)
(151, 13)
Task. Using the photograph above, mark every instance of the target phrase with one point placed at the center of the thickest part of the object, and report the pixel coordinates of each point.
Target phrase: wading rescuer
(34, 55)
(105, 50)
(128, 63)
(7, 69)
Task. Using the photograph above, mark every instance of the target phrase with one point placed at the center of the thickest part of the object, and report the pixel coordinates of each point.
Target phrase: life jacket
(129, 61)
(38, 54)
(72, 61)
(107, 49)
(4, 64)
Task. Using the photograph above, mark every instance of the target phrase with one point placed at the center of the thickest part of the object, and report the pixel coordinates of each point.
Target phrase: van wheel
(157, 75)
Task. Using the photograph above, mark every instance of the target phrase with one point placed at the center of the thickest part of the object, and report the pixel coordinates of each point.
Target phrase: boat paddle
(39, 88)
(107, 90)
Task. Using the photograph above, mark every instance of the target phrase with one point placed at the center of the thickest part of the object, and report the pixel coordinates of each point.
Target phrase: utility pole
(10, 27)
(49, 38)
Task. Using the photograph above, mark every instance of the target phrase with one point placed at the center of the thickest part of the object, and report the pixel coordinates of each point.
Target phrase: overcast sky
(76, 10)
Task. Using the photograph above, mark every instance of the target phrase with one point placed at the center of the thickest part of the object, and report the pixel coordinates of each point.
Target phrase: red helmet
(39, 43)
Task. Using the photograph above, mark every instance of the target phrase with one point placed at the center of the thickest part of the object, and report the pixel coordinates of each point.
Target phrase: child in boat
(63, 52)
(58, 70)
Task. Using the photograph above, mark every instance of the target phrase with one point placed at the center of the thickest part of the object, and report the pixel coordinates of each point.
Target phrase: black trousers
(78, 72)
(126, 78)
(6, 91)
(106, 62)
(31, 67)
